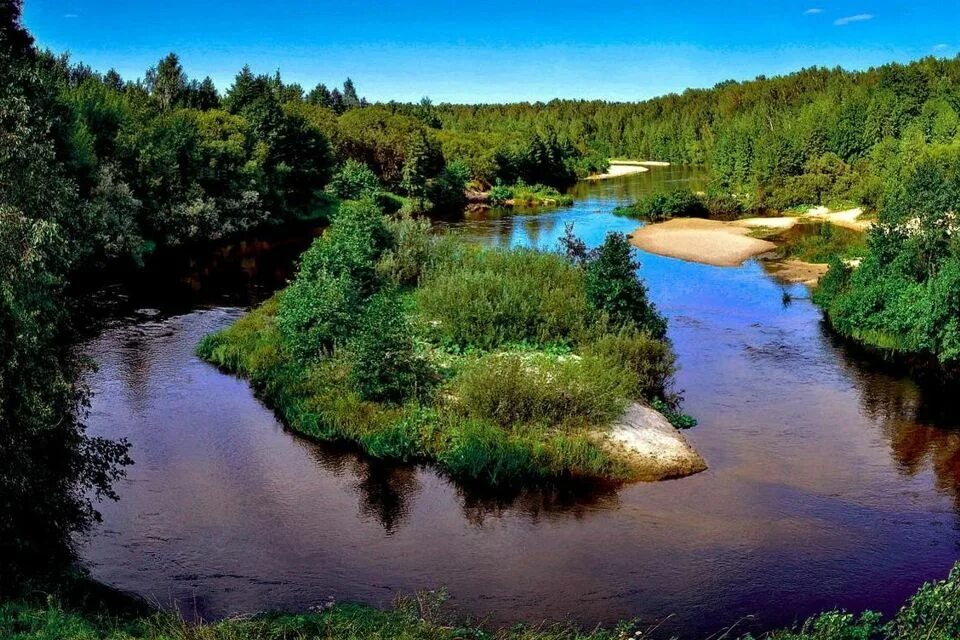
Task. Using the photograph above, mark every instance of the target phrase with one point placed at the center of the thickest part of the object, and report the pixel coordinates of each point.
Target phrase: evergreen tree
(336, 101)
(320, 96)
(167, 82)
(350, 99)
(416, 169)
(113, 80)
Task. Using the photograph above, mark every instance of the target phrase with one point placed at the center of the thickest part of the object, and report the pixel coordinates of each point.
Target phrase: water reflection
(919, 419)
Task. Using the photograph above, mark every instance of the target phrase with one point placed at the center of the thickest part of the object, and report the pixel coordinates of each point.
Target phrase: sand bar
(618, 169)
(707, 241)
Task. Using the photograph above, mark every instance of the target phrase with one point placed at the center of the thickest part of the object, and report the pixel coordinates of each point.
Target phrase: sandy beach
(618, 169)
(708, 241)
(729, 244)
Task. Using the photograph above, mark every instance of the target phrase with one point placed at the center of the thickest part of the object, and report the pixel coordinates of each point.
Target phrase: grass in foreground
(495, 365)
(933, 613)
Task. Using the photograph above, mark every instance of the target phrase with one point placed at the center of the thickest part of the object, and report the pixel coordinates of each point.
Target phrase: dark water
(831, 483)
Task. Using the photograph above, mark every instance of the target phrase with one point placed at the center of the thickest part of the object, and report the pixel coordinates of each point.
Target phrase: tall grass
(486, 298)
(528, 388)
(932, 613)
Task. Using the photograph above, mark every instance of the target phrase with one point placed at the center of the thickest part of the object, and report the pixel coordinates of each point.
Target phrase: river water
(833, 481)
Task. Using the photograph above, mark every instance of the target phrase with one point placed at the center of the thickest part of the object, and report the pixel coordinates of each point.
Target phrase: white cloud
(941, 47)
(812, 12)
(70, 16)
(860, 17)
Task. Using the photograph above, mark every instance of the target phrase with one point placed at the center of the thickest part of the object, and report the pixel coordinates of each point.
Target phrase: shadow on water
(832, 482)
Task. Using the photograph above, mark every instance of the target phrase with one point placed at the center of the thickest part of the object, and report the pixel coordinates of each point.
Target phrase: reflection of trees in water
(387, 490)
(578, 499)
(920, 419)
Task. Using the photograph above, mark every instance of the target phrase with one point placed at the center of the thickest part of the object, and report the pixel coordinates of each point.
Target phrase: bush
(657, 207)
(500, 194)
(411, 249)
(356, 239)
(488, 297)
(322, 306)
(528, 388)
(385, 364)
(447, 191)
(354, 180)
(652, 361)
(613, 287)
(318, 313)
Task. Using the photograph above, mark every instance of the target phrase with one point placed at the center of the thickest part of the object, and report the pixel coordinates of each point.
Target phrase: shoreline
(730, 244)
(619, 168)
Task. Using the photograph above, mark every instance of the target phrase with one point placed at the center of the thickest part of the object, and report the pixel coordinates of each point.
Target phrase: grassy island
(494, 364)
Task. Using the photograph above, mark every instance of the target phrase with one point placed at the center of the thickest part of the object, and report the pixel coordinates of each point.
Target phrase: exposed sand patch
(618, 169)
(796, 271)
(652, 446)
(849, 219)
(708, 241)
(728, 244)
(782, 222)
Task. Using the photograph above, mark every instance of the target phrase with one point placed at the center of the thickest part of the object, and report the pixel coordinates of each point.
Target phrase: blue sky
(493, 51)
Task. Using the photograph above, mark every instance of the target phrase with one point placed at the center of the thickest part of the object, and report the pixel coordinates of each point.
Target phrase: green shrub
(410, 251)
(356, 239)
(650, 359)
(354, 180)
(249, 346)
(613, 287)
(488, 297)
(657, 207)
(447, 191)
(527, 388)
(318, 313)
(385, 364)
(500, 194)
(820, 242)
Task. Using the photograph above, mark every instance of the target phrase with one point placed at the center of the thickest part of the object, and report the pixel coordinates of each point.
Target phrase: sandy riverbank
(627, 167)
(729, 244)
(618, 169)
(697, 240)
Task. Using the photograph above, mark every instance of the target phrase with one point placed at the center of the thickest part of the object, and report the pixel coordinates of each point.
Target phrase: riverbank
(730, 243)
(932, 613)
(620, 168)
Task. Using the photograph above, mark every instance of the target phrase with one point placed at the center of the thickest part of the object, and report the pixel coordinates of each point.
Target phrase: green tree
(416, 169)
(167, 82)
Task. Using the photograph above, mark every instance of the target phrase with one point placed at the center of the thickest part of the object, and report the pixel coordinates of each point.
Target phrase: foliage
(657, 207)
(384, 362)
(486, 298)
(820, 242)
(343, 355)
(338, 273)
(904, 295)
(411, 249)
(52, 472)
(447, 191)
(353, 181)
(613, 287)
(526, 388)
(649, 359)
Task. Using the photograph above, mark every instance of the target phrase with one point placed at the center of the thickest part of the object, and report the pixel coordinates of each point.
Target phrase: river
(833, 481)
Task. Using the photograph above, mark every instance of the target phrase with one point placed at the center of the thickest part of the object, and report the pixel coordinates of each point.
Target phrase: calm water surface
(831, 483)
